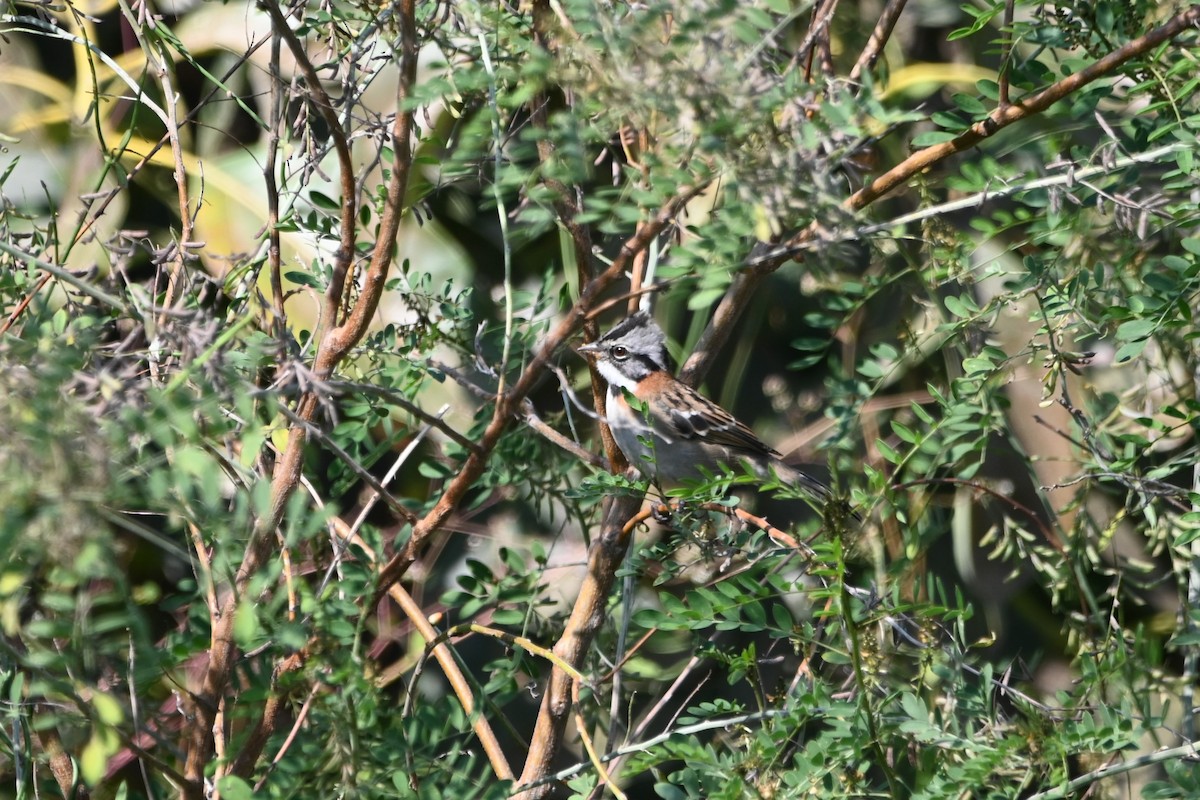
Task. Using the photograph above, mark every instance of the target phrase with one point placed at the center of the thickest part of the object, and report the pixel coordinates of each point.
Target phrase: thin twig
(1072, 787)
(67, 277)
(292, 734)
(274, 121)
(411, 408)
(529, 415)
(1006, 57)
(362, 472)
(878, 39)
(341, 146)
(44, 28)
(501, 211)
(818, 28)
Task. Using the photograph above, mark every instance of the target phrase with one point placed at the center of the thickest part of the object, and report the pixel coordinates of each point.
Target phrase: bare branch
(878, 39)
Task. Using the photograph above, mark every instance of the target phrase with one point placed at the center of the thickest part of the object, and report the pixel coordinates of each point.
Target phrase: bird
(667, 430)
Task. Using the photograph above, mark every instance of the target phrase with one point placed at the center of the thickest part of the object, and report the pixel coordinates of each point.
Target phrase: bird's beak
(588, 349)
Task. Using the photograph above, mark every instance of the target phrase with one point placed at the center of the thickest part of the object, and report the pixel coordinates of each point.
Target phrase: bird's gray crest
(640, 334)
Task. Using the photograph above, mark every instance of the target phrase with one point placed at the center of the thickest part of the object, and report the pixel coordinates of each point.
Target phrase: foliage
(299, 479)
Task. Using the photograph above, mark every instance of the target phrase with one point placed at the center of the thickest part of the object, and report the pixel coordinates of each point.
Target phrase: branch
(1004, 116)
(274, 238)
(1070, 788)
(341, 145)
(335, 343)
(568, 204)
(745, 283)
(454, 675)
(587, 615)
(879, 38)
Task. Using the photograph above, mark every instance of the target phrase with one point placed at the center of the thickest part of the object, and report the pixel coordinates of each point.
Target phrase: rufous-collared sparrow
(677, 434)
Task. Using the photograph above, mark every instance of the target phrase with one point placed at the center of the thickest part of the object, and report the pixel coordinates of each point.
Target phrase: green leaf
(887, 452)
(302, 278)
(108, 710)
(978, 364)
(948, 120)
(1130, 351)
(958, 307)
(903, 432)
(321, 200)
(1136, 329)
(245, 625)
(969, 104)
(102, 745)
(234, 788)
(930, 138)
(988, 88)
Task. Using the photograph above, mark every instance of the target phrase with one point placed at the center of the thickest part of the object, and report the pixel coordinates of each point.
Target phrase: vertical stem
(274, 120)
(501, 212)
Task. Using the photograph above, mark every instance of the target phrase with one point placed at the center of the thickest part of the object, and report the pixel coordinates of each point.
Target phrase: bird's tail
(817, 490)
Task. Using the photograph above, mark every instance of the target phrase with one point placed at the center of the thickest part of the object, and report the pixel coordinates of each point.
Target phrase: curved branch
(744, 285)
(1004, 116)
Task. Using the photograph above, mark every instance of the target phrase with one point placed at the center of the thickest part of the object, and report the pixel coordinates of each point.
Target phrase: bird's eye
(620, 352)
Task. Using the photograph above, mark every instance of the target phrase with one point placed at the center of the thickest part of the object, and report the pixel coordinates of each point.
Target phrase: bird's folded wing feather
(714, 425)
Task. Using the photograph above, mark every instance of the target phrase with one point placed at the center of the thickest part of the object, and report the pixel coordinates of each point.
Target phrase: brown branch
(568, 204)
(736, 297)
(25, 301)
(445, 658)
(621, 518)
(878, 39)
(341, 145)
(1047, 532)
(274, 248)
(1004, 116)
(297, 724)
(171, 99)
(587, 616)
(745, 283)
(818, 28)
(455, 677)
(274, 706)
(531, 418)
(335, 343)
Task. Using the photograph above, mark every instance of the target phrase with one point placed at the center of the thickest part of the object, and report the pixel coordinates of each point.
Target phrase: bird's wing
(696, 417)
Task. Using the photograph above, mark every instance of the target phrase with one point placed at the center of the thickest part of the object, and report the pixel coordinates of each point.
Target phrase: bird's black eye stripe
(620, 352)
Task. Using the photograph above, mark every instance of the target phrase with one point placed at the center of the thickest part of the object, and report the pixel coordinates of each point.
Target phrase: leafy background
(303, 494)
